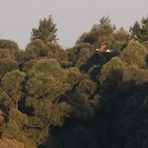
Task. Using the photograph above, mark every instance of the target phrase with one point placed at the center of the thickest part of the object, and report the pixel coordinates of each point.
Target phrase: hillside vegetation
(78, 97)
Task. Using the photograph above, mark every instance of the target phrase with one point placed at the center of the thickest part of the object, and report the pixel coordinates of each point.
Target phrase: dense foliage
(52, 97)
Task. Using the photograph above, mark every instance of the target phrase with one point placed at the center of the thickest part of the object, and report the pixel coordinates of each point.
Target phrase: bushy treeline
(52, 97)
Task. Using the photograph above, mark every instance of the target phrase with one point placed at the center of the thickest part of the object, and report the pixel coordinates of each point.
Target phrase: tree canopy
(46, 31)
(51, 97)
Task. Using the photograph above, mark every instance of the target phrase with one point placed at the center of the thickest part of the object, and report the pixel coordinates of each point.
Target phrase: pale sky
(73, 17)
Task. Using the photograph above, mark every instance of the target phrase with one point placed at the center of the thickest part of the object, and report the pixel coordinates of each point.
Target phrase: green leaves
(135, 54)
(11, 87)
(37, 47)
(8, 44)
(7, 65)
(51, 97)
(52, 114)
(115, 64)
(43, 87)
(46, 31)
(140, 30)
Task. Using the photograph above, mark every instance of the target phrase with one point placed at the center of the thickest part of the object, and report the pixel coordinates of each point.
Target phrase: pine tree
(140, 30)
(46, 31)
